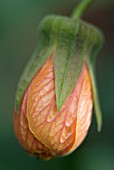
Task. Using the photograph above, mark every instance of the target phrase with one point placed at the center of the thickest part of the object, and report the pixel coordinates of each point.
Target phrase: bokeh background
(19, 21)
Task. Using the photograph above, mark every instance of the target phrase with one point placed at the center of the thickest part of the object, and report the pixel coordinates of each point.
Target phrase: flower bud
(57, 90)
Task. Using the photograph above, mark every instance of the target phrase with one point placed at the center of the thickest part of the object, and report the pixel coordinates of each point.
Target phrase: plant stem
(80, 8)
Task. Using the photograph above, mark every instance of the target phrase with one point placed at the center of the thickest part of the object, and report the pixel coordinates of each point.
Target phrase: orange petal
(61, 132)
(25, 136)
(84, 109)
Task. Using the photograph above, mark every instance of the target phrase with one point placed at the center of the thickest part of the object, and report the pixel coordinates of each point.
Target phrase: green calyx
(72, 42)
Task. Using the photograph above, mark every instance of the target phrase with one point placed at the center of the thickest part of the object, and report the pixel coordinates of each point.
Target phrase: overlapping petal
(44, 130)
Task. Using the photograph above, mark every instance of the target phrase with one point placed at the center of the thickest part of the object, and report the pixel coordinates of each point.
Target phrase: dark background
(19, 21)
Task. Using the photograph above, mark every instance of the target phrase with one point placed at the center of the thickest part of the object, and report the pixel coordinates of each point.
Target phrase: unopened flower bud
(56, 93)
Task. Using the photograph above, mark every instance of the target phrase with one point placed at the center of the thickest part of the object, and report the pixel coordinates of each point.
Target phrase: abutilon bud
(54, 100)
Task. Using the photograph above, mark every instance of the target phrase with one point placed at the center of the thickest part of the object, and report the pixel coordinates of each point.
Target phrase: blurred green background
(19, 21)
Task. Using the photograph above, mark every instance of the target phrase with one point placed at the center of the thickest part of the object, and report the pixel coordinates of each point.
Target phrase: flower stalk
(81, 8)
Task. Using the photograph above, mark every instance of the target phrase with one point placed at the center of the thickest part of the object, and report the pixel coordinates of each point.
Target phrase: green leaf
(76, 41)
(67, 62)
(90, 61)
(40, 56)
